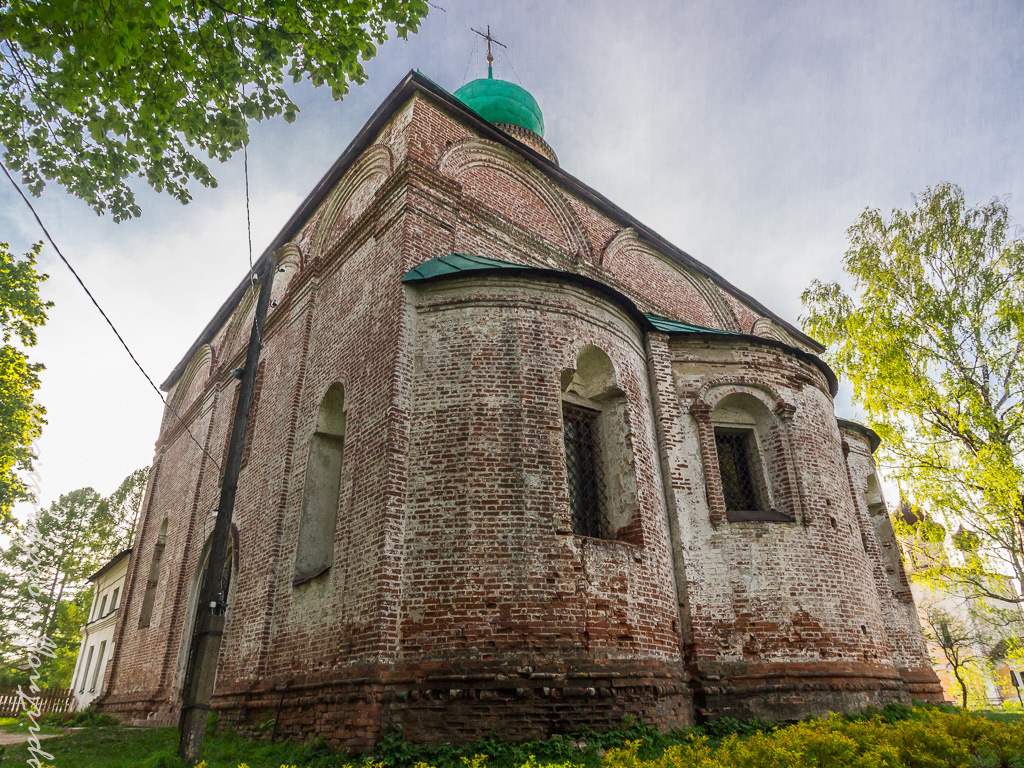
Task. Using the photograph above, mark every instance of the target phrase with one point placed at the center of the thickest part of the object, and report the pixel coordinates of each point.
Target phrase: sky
(749, 134)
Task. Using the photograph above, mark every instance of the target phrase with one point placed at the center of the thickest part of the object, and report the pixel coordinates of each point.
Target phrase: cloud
(749, 134)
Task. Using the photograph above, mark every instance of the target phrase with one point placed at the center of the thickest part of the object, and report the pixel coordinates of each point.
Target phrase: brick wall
(785, 617)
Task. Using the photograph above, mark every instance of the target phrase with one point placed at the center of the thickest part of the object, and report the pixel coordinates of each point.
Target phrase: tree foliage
(21, 417)
(43, 572)
(958, 642)
(122, 507)
(930, 335)
(93, 95)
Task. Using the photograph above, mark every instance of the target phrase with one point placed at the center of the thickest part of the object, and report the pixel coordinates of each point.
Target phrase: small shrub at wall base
(894, 737)
(86, 718)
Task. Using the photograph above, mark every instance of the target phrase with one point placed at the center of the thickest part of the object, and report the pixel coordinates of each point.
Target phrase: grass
(20, 725)
(1002, 716)
(118, 747)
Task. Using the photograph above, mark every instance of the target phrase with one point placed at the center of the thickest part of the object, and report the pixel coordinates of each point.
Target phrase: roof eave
(641, 319)
(872, 437)
(111, 563)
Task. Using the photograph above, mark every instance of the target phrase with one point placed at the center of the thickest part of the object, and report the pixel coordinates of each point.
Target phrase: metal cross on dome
(489, 39)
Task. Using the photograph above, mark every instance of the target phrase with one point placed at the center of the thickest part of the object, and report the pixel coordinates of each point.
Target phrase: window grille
(736, 451)
(587, 497)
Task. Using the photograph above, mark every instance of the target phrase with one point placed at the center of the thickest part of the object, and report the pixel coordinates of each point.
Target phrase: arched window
(752, 452)
(98, 669)
(225, 595)
(319, 515)
(146, 612)
(886, 537)
(599, 466)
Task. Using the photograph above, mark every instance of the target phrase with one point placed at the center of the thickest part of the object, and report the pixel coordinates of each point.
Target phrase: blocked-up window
(321, 493)
(600, 473)
(886, 538)
(146, 612)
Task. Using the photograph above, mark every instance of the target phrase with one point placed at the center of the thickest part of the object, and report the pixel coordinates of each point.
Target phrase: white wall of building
(98, 634)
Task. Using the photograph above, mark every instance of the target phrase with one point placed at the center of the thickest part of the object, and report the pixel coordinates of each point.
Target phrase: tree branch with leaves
(930, 334)
(93, 95)
(21, 417)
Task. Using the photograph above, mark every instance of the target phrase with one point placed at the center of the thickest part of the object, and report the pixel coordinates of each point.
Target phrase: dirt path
(7, 738)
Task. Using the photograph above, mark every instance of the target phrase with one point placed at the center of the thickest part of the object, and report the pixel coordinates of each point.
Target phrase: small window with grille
(587, 496)
(739, 469)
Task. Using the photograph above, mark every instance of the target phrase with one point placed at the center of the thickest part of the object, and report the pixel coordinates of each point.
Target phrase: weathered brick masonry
(458, 600)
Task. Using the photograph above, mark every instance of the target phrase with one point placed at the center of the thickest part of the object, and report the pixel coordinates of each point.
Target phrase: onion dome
(509, 107)
(966, 541)
(908, 514)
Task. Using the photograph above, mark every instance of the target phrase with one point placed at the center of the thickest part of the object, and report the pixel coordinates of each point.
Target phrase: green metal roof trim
(499, 101)
(665, 325)
(872, 437)
(456, 262)
(677, 326)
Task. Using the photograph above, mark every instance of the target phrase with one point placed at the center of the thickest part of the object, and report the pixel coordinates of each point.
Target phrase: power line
(508, 59)
(476, 42)
(92, 298)
(248, 217)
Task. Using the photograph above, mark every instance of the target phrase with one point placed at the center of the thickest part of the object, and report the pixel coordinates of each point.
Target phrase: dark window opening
(736, 451)
(587, 496)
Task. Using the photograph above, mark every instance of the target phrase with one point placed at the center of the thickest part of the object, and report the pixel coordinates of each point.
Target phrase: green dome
(499, 101)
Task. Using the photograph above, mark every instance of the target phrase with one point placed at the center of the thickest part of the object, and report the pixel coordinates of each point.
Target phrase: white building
(98, 633)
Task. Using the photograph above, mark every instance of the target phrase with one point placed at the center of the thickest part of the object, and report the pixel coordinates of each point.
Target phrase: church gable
(193, 381)
(495, 177)
(350, 198)
(673, 290)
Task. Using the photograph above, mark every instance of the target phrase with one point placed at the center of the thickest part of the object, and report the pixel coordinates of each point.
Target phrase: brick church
(516, 464)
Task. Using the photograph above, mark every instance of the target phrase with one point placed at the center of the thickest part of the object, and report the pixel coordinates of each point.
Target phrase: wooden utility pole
(201, 668)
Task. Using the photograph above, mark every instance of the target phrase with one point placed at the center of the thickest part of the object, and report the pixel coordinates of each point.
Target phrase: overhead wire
(508, 60)
(92, 298)
(253, 280)
(472, 53)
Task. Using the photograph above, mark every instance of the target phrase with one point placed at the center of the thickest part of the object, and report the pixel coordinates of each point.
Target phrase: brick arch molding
(627, 240)
(375, 165)
(476, 153)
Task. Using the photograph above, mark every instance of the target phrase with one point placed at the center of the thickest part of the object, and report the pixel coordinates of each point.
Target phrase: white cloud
(749, 134)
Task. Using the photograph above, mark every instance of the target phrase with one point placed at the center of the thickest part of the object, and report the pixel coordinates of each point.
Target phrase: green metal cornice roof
(677, 326)
(499, 101)
(456, 262)
(872, 437)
